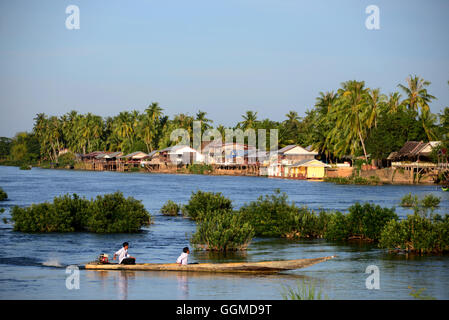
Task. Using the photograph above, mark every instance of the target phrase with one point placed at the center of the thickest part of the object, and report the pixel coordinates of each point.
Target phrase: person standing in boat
(123, 256)
(182, 259)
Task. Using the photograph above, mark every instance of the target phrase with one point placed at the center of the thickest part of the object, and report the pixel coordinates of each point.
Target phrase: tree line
(352, 121)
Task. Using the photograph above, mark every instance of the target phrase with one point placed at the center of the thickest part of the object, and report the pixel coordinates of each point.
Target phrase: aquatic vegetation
(409, 200)
(418, 294)
(430, 201)
(202, 204)
(423, 207)
(170, 208)
(303, 291)
(25, 167)
(110, 213)
(223, 230)
(363, 222)
(417, 234)
(273, 216)
(3, 195)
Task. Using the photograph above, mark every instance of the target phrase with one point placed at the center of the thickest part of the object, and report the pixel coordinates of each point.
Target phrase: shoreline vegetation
(353, 122)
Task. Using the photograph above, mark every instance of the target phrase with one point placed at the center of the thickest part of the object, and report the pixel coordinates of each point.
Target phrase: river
(32, 266)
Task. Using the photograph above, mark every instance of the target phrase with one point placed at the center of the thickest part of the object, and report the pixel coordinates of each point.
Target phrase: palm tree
(154, 111)
(324, 117)
(418, 98)
(428, 120)
(249, 120)
(394, 103)
(352, 117)
(201, 116)
(376, 102)
(416, 93)
(325, 102)
(124, 128)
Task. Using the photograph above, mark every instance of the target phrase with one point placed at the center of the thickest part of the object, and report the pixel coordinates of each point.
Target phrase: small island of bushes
(110, 213)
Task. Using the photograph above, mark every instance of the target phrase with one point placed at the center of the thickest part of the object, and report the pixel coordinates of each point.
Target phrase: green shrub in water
(274, 216)
(223, 230)
(111, 213)
(170, 208)
(202, 204)
(430, 201)
(409, 200)
(364, 222)
(417, 234)
(3, 195)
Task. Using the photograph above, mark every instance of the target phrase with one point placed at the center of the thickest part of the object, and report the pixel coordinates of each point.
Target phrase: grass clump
(303, 291)
(111, 213)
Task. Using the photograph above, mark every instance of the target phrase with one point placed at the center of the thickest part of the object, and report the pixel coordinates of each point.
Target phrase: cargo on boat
(266, 267)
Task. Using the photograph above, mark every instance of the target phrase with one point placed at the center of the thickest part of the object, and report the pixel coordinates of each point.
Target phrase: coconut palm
(418, 98)
(376, 103)
(394, 103)
(249, 120)
(351, 118)
(416, 93)
(205, 122)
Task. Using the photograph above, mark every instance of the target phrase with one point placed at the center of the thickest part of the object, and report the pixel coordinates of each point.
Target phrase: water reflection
(123, 278)
(183, 286)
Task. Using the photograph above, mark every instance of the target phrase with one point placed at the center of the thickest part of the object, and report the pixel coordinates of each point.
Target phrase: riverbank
(347, 175)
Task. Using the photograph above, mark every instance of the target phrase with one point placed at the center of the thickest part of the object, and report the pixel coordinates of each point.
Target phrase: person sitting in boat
(182, 259)
(123, 256)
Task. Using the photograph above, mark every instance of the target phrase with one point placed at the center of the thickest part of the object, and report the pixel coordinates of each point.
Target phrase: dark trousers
(128, 261)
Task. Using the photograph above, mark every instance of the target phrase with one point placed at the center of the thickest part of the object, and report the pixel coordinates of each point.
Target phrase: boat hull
(266, 267)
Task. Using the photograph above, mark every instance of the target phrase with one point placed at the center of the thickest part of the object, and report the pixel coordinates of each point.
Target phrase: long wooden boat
(265, 267)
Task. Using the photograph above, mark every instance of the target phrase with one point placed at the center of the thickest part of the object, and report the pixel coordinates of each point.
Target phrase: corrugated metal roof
(309, 163)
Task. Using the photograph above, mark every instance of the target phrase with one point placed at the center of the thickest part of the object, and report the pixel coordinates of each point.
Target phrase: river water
(32, 266)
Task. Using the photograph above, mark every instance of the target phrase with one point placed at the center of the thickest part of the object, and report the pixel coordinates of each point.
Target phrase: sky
(223, 56)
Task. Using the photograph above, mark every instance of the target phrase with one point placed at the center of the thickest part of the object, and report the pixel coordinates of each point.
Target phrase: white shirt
(122, 254)
(182, 259)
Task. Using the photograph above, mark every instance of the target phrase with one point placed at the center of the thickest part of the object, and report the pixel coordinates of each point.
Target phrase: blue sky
(223, 57)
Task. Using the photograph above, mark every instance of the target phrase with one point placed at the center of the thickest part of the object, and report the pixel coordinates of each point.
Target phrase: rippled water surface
(33, 265)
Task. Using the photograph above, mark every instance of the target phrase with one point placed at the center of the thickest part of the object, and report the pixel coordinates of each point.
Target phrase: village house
(295, 153)
(414, 152)
(307, 169)
(230, 153)
(180, 154)
(294, 162)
